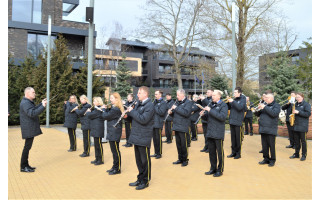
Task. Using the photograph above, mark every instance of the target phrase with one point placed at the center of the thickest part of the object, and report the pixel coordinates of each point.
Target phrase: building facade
(28, 27)
(266, 59)
(152, 66)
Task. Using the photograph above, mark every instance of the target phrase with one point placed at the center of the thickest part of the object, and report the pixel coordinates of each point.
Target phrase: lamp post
(48, 70)
(90, 55)
(233, 45)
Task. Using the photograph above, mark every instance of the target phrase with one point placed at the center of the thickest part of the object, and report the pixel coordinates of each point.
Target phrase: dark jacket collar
(272, 103)
(145, 102)
(28, 100)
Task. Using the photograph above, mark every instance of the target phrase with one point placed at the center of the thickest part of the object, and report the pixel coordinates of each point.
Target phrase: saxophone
(292, 115)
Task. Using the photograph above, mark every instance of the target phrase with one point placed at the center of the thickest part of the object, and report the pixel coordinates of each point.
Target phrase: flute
(124, 113)
(202, 109)
(168, 111)
(87, 110)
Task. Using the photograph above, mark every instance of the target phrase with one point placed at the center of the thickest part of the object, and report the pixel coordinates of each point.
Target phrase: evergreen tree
(151, 93)
(305, 70)
(123, 75)
(219, 82)
(283, 75)
(174, 92)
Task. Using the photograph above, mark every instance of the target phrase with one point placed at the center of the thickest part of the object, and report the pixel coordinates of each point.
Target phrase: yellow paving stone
(65, 175)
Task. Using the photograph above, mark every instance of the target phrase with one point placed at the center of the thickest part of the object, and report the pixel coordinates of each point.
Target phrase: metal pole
(195, 85)
(233, 46)
(90, 55)
(48, 70)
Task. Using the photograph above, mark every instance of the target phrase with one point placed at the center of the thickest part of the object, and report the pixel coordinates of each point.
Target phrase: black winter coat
(96, 123)
(237, 109)
(204, 103)
(128, 118)
(142, 124)
(195, 110)
(160, 110)
(85, 122)
(216, 120)
(288, 107)
(112, 115)
(269, 116)
(70, 118)
(169, 105)
(181, 116)
(29, 120)
(301, 122)
(249, 112)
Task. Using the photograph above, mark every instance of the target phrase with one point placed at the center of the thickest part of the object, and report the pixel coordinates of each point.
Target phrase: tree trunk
(178, 72)
(240, 47)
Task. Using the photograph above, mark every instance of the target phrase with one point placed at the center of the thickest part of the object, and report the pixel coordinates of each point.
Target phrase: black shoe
(166, 141)
(246, 133)
(303, 158)
(99, 162)
(293, 146)
(261, 151)
(169, 142)
(142, 186)
(188, 145)
(154, 155)
(289, 146)
(70, 150)
(84, 155)
(264, 162)
(237, 156)
(26, 169)
(210, 172)
(109, 170)
(194, 139)
(158, 156)
(185, 163)
(271, 164)
(93, 162)
(129, 145)
(251, 134)
(134, 183)
(125, 145)
(294, 156)
(32, 167)
(177, 162)
(217, 174)
(207, 151)
(231, 155)
(113, 172)
(203, 150)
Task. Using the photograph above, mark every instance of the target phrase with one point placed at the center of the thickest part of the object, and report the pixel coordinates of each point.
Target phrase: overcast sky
(127, 12)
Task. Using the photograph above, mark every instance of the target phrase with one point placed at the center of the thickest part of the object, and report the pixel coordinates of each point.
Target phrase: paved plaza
(65, 175)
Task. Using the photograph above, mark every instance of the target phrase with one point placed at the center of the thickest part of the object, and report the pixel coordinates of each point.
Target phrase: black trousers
(143, 162)
(25, 152)
(194, 130)
(182, 147)
(291, 133)
(86, 141)
(157, 141)
(114, 146)
(72, 138)
(98, 148)
(300, 140)
(168, 130)
(204, 128)
(127, 126)
(246, 121)
(216, 152)
(189, 137)
(269, 144)
(236, 139)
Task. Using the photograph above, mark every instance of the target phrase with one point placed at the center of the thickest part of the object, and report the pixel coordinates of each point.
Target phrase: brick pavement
(64, 175)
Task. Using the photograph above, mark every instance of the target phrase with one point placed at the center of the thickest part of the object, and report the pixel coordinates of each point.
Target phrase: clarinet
(123, 114)
(200, 115)
(168, 111)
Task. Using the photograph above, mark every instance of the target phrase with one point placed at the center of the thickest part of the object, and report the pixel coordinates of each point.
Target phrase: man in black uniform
(181, 113)
(30, 125)
(128, 120)
(237, 107)
(248, 117)
(160, 109)
(204, 118)
(141, 134)
(217, 114)
(301, 124)
(288, 107)
(268, 128)
(195, 110)
(168, 122)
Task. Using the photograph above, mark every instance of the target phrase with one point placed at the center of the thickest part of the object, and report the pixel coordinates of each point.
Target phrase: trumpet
(226, 99)
(257, 109)
(288, 99)
(124, 113)
(165, 119)
(202, 108)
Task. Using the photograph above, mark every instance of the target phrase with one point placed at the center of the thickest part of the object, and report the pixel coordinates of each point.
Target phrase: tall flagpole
(48, 71)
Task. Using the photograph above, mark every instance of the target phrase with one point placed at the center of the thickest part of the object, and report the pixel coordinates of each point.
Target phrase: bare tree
(176, 24)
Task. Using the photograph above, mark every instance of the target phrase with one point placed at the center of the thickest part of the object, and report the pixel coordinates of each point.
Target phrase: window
(161, 69)
(27, 11)
(37, 43)
(75, 10)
